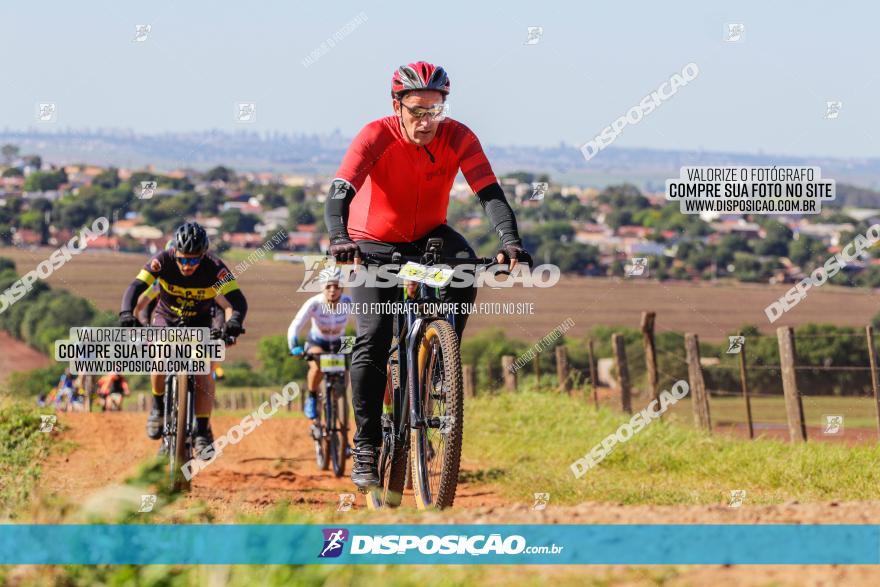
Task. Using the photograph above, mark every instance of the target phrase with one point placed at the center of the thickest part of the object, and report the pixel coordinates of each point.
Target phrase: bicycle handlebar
(380, 258)
(217, 333)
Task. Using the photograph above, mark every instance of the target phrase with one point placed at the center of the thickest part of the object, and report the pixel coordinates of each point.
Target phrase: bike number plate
(432, 276)
(333, 363)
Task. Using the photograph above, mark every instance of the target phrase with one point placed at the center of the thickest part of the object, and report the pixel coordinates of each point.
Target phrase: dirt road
(276, 463)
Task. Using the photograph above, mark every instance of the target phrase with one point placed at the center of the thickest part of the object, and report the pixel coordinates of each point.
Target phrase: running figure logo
(141, 32)
(833, 425)
(737, 497)
(246, 112)
(535, 34)
(541, 500)
(832, 109)
(148, 189)
(346, 500)
(47, 422)
(637, 267)
(539, 189)
(334, 539)
(735, 345)
(47, 112)
(735, 32)
(347, 344)
(147, 503)
(314, 264)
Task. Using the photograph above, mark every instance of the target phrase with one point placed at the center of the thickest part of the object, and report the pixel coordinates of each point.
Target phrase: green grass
(534, 437)
(22, 449)
(343, 575)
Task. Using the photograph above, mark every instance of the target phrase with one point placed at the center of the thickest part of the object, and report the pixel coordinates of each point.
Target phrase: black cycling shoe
(154, 424)
(365, 470)
(203, 445)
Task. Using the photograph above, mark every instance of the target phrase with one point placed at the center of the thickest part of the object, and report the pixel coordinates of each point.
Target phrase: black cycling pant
(375, 331)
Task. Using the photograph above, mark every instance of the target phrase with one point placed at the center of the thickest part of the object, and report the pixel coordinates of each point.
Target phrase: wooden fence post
(650, 354)
(619, 348)
(469, 378)
(594, 383)
(538, 371)
(794, 408)
(509, 372)
(142, 402)
(562, 369)
(745, 388)
(875, 379)
(699, 396)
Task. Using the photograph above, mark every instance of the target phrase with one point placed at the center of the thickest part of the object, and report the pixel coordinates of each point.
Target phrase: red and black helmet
(420, 75)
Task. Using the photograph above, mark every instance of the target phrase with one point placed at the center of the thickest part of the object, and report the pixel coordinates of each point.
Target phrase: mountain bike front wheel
(319, 431)
(435, 446)
(337, 428)
(179, 451)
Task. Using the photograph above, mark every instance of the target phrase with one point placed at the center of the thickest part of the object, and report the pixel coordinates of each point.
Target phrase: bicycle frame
(408, 405)
(408, 421)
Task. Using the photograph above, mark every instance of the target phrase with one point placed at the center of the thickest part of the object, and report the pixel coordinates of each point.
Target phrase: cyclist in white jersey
(329, 313)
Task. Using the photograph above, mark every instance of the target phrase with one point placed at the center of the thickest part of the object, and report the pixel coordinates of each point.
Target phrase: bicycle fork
(412, 380)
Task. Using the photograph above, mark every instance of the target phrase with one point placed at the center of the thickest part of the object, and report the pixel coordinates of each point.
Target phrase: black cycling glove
(344, 249)
(127, 319)
(515, 250)
(233, 328)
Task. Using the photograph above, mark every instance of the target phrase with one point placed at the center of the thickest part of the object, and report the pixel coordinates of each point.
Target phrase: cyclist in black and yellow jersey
(189, 278)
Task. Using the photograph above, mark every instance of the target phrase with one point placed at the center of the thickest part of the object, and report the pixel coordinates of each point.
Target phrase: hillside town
(584, 230)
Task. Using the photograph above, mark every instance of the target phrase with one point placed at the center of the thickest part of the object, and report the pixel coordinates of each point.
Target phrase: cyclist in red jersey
(391, 194)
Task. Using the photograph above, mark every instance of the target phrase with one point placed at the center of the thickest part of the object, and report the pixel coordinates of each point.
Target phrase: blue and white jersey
(327, 324)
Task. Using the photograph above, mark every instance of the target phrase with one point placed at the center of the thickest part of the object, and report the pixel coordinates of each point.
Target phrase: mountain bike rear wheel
(392, 456)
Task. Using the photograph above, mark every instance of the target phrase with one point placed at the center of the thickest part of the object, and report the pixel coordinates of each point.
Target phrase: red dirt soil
(276, 462)
(18, 356)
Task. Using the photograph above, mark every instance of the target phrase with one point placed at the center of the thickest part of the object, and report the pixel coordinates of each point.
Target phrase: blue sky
(595, 61)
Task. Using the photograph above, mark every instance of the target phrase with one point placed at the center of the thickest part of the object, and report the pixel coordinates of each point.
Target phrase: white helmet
(330, 275)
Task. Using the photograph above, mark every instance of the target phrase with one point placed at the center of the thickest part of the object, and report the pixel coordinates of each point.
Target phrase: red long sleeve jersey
(401, 195)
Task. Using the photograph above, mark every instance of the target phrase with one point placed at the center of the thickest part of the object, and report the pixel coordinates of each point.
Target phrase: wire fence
(797, 380)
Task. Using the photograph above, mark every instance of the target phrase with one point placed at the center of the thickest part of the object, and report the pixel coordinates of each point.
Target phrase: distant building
(301, 241)
(737, 226)
(827, 233)
(26, 237)
(248, 240)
